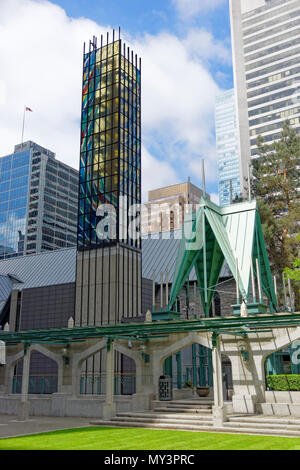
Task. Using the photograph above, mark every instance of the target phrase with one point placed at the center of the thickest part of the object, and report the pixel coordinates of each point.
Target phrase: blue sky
(186, 52)
(154, 16)
(140, 16)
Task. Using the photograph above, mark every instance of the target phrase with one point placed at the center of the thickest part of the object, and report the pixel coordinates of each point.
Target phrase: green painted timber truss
(216, 234)
(147, 331)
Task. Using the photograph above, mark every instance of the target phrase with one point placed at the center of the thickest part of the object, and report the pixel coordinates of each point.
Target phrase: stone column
(2, 378)
(24, 409)
(179, 370)
(9, 377)
(109, 408)
(157, 371)
(219, 411)
(66, 387)
(142, 400)
(248, 377)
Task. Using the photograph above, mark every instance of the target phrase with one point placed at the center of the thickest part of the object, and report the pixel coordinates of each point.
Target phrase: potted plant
(188, 384)
(202, 391)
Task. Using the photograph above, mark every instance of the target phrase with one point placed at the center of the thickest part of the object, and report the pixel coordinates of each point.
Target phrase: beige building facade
(167, 206)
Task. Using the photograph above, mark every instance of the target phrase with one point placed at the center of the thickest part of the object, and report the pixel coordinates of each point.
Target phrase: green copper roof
(215, 234)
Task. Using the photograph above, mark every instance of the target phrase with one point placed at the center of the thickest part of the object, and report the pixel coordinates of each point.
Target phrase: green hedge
(284, 383)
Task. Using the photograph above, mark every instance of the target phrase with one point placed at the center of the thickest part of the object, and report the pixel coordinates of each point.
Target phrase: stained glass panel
(110, 138)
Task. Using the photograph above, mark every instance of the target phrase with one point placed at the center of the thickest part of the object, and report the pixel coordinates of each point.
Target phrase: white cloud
(41, 67)
(2, 92)
(202, 46)
(211, 167)
(155, 174)
(41, 62)
(215, 198)
(178, 89)
(178, 99)
(188, 8)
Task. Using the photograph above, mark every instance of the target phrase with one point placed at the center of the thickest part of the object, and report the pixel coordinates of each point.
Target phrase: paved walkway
(10, 425)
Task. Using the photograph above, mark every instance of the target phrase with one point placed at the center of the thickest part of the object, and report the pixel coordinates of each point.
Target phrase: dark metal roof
(5, 290)
(15, 279)
(59, 267)
(160, 251)
(41, 270)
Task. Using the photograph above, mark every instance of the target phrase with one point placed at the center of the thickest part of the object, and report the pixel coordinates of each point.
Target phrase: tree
(275, 185)
(294, 273)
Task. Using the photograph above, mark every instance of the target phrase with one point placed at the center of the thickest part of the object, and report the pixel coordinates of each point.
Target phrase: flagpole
(23, 124)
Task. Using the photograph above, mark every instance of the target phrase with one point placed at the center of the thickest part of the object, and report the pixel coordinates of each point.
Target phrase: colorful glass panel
(110, 141)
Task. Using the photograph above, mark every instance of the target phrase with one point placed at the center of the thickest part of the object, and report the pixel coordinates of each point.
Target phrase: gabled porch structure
(231, 234)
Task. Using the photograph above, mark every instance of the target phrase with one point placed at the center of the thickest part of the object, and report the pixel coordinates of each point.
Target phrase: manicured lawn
(97, 438)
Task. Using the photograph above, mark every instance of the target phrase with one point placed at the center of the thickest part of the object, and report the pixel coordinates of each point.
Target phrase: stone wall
(225, 298)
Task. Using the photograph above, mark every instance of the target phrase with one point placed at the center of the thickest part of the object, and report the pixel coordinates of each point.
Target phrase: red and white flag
(28, 109)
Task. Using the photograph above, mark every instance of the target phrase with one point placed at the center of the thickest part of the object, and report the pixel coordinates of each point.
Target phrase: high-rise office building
(227, 147)
(109, 260)
(266, 60)
(38, 202)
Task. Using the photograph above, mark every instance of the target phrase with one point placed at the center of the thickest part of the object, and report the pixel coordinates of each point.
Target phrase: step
(192, 402)
(292, 427)
(263, 431)
(176, 416)
(265, 420)
(173, 421)
(182, 410)
(194, 406)
(199, 428)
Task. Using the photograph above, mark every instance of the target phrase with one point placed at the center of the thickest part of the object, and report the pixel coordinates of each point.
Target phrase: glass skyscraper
(38, 202)
(110, 164)
(227, 147)
(14, 192)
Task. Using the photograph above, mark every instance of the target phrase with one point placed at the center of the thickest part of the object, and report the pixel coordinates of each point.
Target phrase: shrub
(188, 384)
(284, 383)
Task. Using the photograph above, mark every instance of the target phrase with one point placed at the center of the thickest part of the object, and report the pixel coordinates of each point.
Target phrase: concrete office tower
(108, 280)
(38, 202)
(266, 60)
(162, 214)
(227, 147)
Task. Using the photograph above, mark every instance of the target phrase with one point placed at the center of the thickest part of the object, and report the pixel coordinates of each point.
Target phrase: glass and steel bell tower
(109, 260)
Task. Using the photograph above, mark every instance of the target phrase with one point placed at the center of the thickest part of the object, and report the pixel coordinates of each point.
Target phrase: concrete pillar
(142, 400)
(248, 377)
(9, 377)
(157, 371)
(13, 310)
(109, 408)
(179, 370)
(219, 411)
(66, 375)
(2, 378)
(24, 409)
(66, 387)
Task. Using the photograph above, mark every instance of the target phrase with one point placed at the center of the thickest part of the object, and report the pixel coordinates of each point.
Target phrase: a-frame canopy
(216, 234)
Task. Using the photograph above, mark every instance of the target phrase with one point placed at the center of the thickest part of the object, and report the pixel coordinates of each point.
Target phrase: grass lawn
(98, 438)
